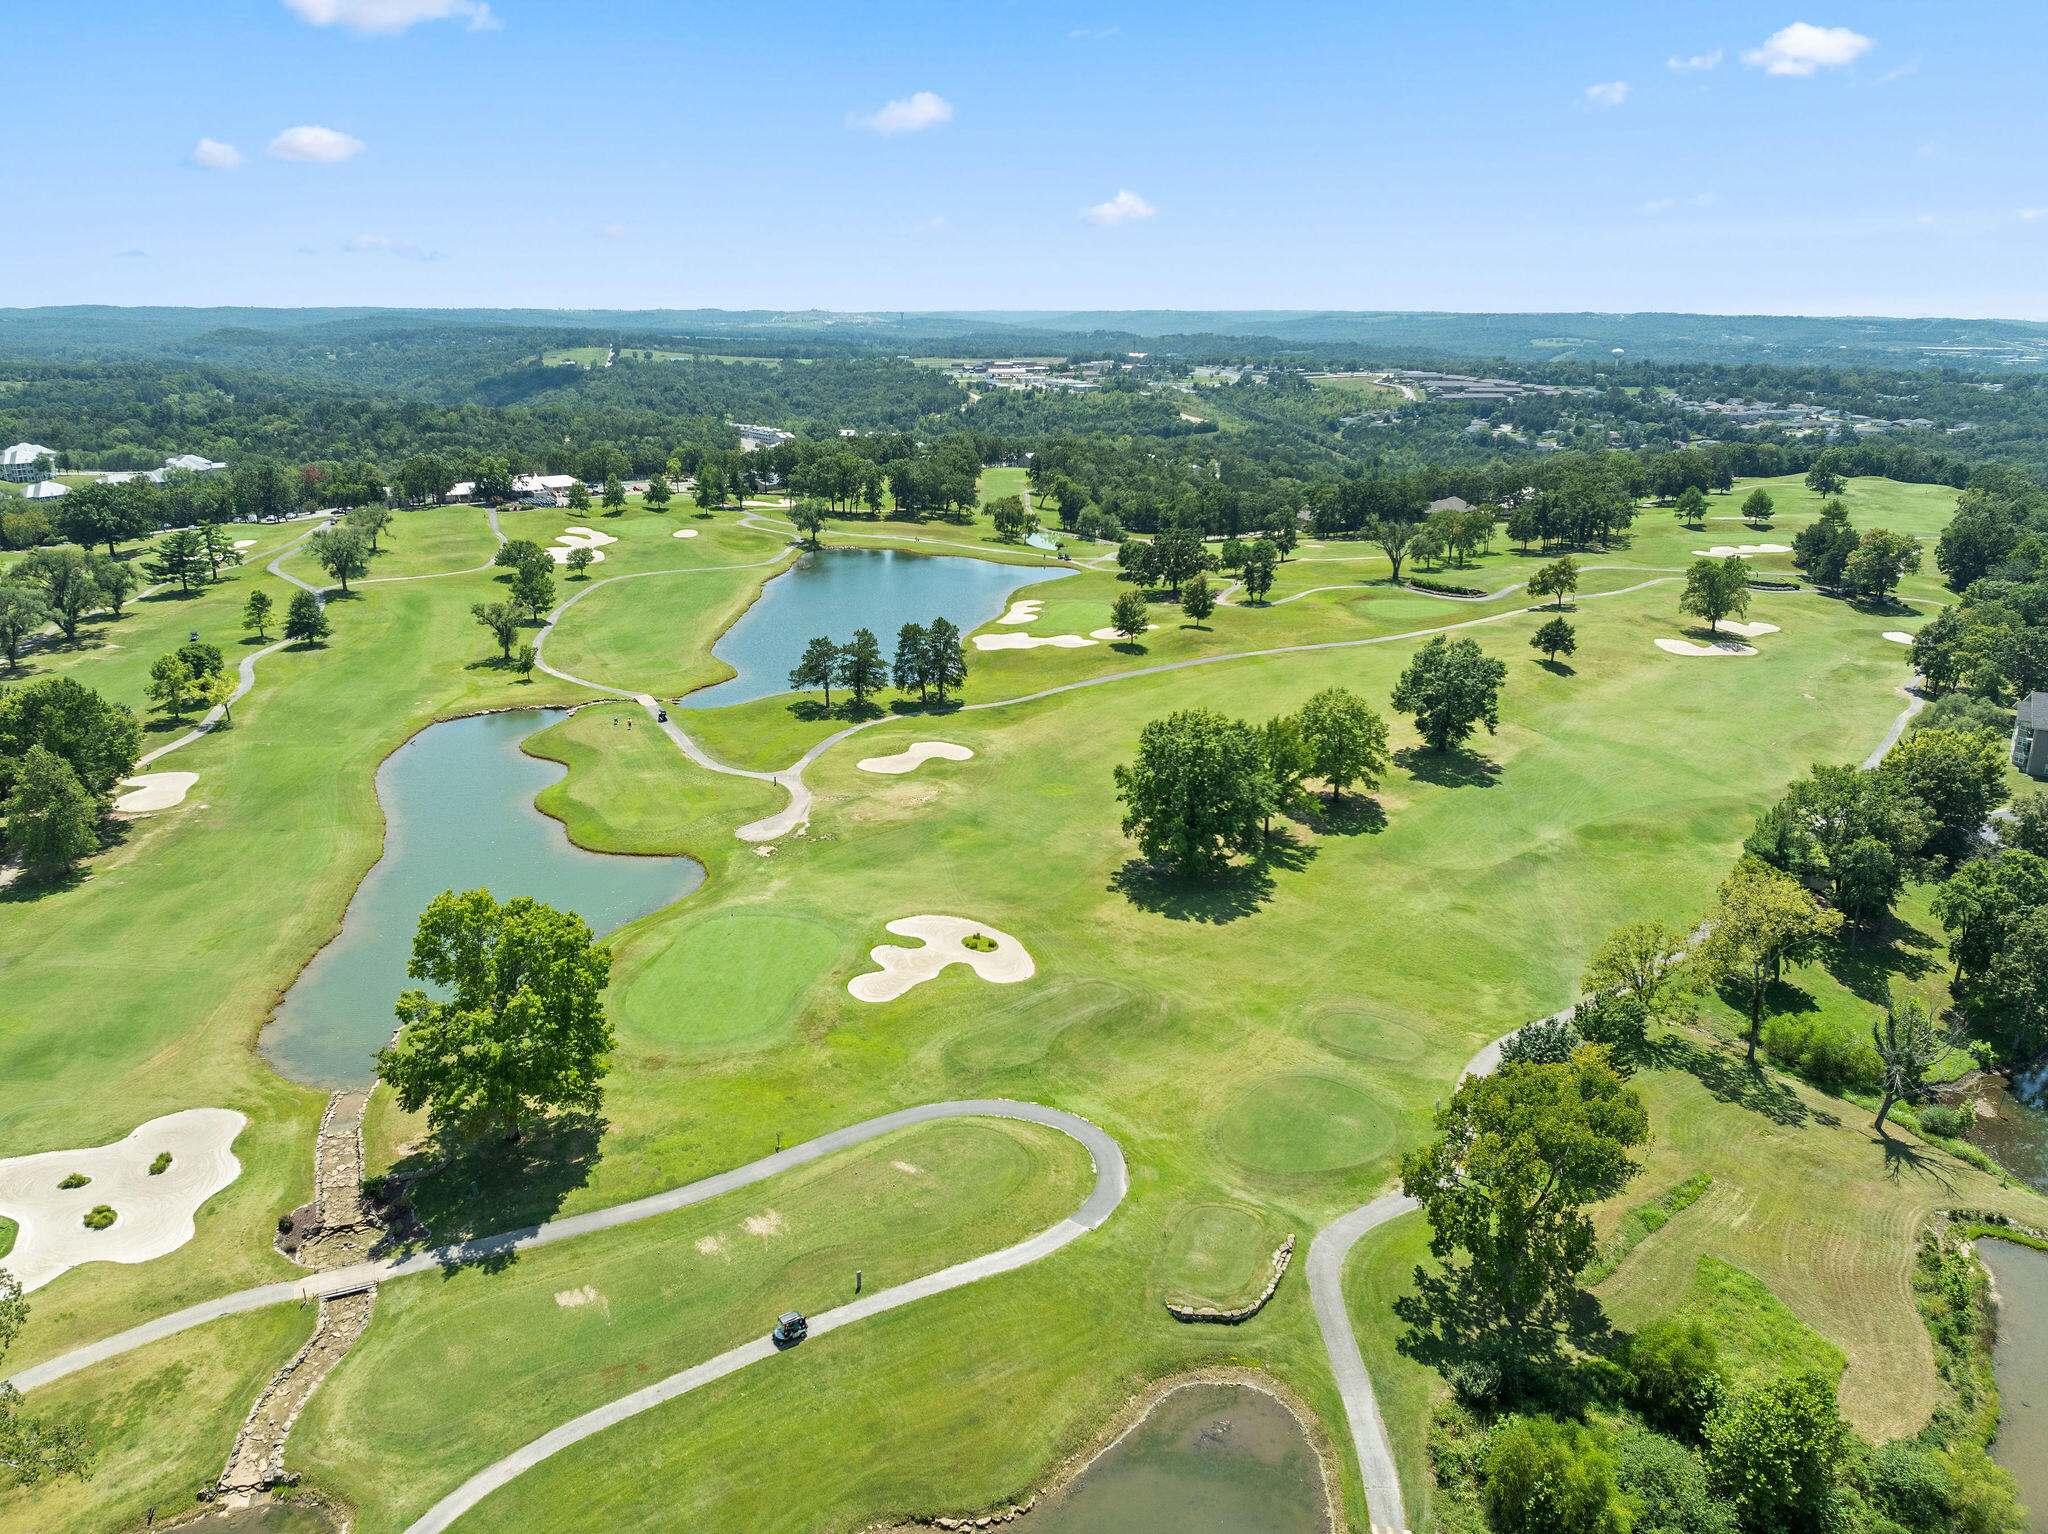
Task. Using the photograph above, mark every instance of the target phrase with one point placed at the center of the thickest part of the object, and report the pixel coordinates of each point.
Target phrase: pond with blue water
(458, 814)
(832, 592)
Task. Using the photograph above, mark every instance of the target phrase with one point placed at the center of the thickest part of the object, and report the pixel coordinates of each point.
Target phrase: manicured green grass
(1216, 1255)
(161, 1421)
(421, 540)
(997, 483)
(601, 1316)
(1267, 1045)
(1758, 1338)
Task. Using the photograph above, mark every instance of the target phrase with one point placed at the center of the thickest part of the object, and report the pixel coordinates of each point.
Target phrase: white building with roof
(18, 462)
(45, 490)
(194, 463)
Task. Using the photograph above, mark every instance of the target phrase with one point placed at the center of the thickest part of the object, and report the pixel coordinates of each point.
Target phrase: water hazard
(1208, 1459)
(458, 812)
(835, 591)
(2021, 1361)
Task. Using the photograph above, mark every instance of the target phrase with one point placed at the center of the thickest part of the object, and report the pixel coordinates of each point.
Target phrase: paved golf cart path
(1111, 1182)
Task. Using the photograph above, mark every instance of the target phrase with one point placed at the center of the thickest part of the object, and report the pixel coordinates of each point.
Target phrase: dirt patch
(710, 1246)
(904, 1166)
(765, 1225)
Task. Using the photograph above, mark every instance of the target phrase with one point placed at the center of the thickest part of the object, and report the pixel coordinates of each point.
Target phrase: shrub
(161, 1165)
(1942, 1120)
(1824, 1053)
(1775, 1454)
(1549, 1477)
(1546, 1042)
(980, 942)
(75, 1180)
(1444, 588)
(99, 1217)
(1476, 1380)
(1613, 1019)
(1675, 1377)
(1909, 1485)
(1668, 1485)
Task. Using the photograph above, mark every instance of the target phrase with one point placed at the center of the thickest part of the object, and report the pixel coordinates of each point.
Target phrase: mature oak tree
(523, 1030)
(1451, 686)
(1197, 792)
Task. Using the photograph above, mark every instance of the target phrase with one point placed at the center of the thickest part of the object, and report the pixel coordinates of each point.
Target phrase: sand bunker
(572, 538)
(153, 1215)
(1898, 636)
(1747, 630)
(915, 756)
(1030, 641)
(245, 543)
(155, 791)
(1724, 550)
(1118, 633)
(1022, 612)
(684, 532)
(903, 968)
(1687, 647)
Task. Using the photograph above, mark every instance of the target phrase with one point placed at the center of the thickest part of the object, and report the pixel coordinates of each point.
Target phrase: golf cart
(790, 1329)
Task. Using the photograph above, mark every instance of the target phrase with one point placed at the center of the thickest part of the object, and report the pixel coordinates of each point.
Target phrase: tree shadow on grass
(1867, 972)
(1353, 815)
(1238, 892)
(1902, 1156)
(491, 1185)
(1448, 769)
(1557, 668)
(813, 711)
(1731, 1079)
(1461, 1333)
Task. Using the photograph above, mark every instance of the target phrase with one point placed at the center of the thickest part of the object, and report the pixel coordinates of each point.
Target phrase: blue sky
(1734, 157)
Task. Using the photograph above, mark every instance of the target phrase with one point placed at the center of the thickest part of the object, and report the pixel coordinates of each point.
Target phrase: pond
(2021, 1360)
(835, 591)
(458, 813)
(2016, 1135)
(1208, 1459)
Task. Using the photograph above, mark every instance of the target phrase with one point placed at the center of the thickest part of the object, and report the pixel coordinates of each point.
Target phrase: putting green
(1295, 1124)
(1365, 1033)
(736, 980)
(1215, 1254)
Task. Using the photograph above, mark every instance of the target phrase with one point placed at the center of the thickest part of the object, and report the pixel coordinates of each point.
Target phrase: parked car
(790, 1329)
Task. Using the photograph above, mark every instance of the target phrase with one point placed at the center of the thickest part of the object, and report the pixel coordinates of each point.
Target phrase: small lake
(2016, 1136)
(1208, 1459)
(835, 591)
(2021, 1361)
(458, 814)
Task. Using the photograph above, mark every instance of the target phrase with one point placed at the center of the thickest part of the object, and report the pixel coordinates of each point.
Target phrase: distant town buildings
(754, 437)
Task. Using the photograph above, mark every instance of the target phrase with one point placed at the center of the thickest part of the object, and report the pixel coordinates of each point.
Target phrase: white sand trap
(902, 968)
(573, 538)
(155, 791)
(153, 1215)
(1687, 647)
(684, 532)
(1117, 633)
(915, 756)
(1022, 612)
(1747, 630)
(1030, 641)
(245, 543)
(1898, 636)
(1724, 550)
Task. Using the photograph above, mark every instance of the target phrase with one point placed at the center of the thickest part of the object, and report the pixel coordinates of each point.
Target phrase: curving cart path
(1111, 1182)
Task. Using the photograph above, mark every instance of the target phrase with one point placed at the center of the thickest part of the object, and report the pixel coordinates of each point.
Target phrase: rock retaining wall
(1282, 1256)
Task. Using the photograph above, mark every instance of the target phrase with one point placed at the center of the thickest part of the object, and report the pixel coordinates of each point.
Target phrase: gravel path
(1111, 1181)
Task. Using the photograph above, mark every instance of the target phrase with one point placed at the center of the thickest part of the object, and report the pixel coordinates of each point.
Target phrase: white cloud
(311, 142)
(1660, 205)
(1803, 49)
(365, 243)
(1094, 32)
(1929, 150)
(1612, 94)
(933, 224)
(912, 114)
(371, 16)
(612, 231)
(2030, 214)
(1927, 219)
(1697, 61)
(1120, 209)
(212, 154)
(1911, 67)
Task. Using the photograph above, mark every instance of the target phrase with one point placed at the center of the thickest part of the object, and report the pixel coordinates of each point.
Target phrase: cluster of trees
(63, 749)
(1870, 566)
(532, 573)
(929, 657)
(192, 676)
(1204, 787)
(59, 585)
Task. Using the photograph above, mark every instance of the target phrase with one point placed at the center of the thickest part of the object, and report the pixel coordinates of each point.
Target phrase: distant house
(542, 484)
(193, 463)
(1450, 503)
(45, 490)
(18, 462)
(2029, 741)
(461, 490)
